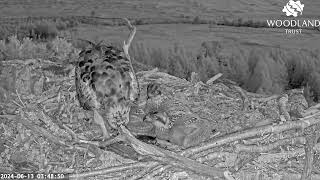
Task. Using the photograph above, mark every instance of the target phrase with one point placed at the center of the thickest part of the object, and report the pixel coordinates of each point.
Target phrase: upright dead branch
(126, 44)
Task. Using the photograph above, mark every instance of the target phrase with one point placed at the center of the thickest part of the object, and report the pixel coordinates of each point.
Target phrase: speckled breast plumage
(104, 81)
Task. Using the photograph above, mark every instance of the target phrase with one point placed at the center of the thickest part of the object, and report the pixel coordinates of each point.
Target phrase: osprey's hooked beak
(156, 117)
(147, 117)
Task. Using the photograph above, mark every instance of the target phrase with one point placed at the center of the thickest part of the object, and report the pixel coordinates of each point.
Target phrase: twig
(106, 143)
(258, 139)
(109, 170)
(144, 171)
(311, 111)
(25, 62)
(126, 44)
(20, 99)
(14, 102)
(317, 106)
(245, 99)
(308, 166)
(52, 123)
(309, 150)
(72, 134)
(228, 175)
(156, 170)
(270, 158)
(8, 116)
(214, 78)
(39, 130)
(266, 148)
(281, 175)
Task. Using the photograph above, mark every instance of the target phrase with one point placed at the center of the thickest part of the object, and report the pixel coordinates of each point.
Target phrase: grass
(260, 69)
(57, 49)
(263, 70)
(37, 28)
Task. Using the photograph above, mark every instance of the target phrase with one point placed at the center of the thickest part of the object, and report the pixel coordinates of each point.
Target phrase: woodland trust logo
(292, 10)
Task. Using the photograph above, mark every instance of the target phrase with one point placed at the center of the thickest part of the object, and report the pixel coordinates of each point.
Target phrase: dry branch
(27, 120)
(308, 166)
(266, 148)
(311, 140)
(144, 171)
(126, 44)
(300, 124)
(279, 175)
(244, 96)
(28, 61)
(269, 158)
(111, 170)
(215, 77)
(39, 130)
(155, 171)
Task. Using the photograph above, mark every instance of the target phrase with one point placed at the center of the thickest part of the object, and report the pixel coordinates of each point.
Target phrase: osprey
(106, 83)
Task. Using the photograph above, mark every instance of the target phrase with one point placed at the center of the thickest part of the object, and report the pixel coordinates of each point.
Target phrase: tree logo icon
(292, 8)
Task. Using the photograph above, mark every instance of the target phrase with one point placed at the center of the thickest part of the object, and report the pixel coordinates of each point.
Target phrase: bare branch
(110, 170)
(266, 148)
(155, 171)
(145, 171)
(215, 77)
(126, 44)
(302, 123)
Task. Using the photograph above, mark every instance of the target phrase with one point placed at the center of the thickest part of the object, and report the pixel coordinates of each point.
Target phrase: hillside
(151, 8)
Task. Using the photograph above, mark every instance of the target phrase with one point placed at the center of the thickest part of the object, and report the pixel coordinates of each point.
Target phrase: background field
(189, 35)
(152, 8)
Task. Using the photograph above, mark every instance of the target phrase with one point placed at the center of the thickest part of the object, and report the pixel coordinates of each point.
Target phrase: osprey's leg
(99, 120)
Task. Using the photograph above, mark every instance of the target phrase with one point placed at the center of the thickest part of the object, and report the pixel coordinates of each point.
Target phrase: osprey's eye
(90, 61)
(81, 63)
(153, 113)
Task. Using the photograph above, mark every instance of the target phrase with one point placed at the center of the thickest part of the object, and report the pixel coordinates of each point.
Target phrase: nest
(44, 130)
